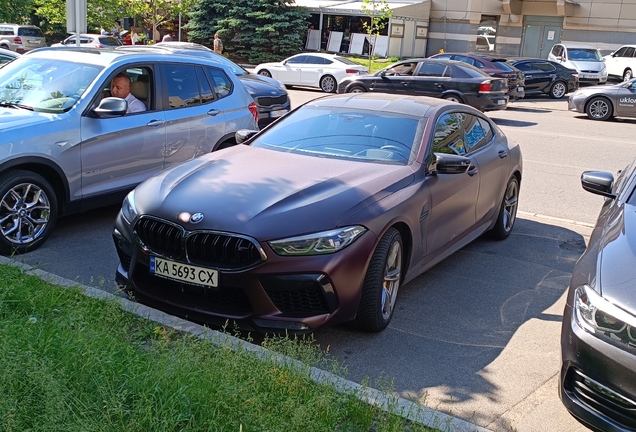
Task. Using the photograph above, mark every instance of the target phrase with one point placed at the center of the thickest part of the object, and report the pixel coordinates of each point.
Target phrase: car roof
(324, 55)
(577, 45)
(181, 45)
(385, 102)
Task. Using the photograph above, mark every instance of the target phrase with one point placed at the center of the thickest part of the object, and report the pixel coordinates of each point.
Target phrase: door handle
(503, 154)
(472, 170)
(406, 84)
(155, 123)
(528, 76)
(213, 112)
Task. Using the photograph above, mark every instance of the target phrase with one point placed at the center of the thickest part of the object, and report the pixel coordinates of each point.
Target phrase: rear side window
(557, 50)
(221, 83)
(544, 66)
(6, 31)
(297, 59)
(207, 94)
(477, 132)
(30, 32)
(525, 67)
(183, 89)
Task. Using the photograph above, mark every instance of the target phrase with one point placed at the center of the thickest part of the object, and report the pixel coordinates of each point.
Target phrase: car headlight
(604, 70)
(128, 209)
(603, 319)
(325, 242)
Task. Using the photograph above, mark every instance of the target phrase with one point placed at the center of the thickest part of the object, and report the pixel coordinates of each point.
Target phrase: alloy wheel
(24, 213)
(558, 90)
(598, 109)
(511, 200)
(627, 75)
(392, 275)
(328, 84)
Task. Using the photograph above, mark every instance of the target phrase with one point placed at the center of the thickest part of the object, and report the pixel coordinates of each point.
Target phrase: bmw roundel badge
(196, 218)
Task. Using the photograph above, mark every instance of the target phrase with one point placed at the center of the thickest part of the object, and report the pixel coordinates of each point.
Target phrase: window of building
(486, 33)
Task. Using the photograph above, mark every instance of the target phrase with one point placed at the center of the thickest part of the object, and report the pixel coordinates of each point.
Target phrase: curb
(395, 405)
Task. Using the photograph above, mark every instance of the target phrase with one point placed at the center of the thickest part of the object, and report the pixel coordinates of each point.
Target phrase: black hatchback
(446, 79)
(546, 77)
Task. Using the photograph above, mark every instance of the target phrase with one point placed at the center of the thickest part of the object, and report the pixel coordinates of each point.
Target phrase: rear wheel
(558, 90)
(599, 108)
(453, 98)
(381, 284)
(328, 84)
(28, 211)
(507, 211)
(627, 75)
(265, 72)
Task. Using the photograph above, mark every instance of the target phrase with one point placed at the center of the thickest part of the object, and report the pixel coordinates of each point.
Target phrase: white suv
(622, 62)
(21, 38)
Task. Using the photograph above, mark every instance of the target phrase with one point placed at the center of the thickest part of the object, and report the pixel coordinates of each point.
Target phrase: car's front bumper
(295, 294)
(576, 104)
(592, 78)
(598, 380)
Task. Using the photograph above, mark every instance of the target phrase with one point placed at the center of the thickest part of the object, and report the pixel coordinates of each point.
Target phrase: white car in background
(91, 40)
(622, 62)
(312, 70)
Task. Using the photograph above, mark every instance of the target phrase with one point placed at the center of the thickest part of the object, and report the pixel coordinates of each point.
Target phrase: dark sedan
(270, 95)
(598, 337)
(446, 79)
(546, 77)
(605, 102)
(323, 215)
(494, 66)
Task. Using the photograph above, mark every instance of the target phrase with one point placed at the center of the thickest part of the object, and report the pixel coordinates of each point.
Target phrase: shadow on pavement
(513, 123)
(453, 323)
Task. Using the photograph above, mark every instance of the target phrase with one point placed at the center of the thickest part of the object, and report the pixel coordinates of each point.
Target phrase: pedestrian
(218, 44)
(134, 37)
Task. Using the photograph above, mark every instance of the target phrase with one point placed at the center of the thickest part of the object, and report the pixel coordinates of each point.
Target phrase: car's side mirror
(243, 135)
(446, 163)
(111, 107)
(382, 73)
(598, 182)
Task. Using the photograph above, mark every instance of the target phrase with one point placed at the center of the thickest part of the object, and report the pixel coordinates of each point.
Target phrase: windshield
(342, 133)
(584, 54)
(45, 84)
(346, 61)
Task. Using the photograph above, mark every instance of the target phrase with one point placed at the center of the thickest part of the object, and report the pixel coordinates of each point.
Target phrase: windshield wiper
(15, 105)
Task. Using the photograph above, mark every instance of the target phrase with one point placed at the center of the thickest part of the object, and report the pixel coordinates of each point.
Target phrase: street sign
(76, 16)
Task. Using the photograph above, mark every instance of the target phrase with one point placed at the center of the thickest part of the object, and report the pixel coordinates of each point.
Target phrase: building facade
(420, 28)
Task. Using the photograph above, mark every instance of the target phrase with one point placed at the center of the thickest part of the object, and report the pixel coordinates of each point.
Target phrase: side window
(449, 135)
(556, 51)
(221, 83)
(479, 64)
(207, 94)
(544, 66)
(429, 69)
(525, 67)
(6, 31)
(464, 59)
(141, 85)
(629, 52)
(477, 132)
(402, 69)
(314, 60)
(182, 86)
(444, 56)
(297, 59)
(621, 52)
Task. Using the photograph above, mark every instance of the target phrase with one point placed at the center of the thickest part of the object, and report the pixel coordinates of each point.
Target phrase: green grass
(376, 63)
(73, 363)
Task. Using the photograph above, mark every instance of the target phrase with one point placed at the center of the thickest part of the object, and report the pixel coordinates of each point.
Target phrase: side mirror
(382, 73)
(243, 135)
(111, 107)
(446, 163)
(598, 182)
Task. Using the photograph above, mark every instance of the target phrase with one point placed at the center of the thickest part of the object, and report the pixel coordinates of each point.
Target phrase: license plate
(588, 76)
(277, 113)
(520, 89)
(501, 102)
(35, 42)
(184, 272)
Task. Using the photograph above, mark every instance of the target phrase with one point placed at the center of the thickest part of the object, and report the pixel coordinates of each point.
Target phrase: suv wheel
(28, 211)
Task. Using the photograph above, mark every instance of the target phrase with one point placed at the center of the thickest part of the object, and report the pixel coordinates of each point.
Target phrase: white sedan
(312, 70)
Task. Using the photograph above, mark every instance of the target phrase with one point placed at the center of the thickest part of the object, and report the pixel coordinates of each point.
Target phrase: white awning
(348, 6)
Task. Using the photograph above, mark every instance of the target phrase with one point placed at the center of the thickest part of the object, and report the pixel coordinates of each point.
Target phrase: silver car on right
(605, 102)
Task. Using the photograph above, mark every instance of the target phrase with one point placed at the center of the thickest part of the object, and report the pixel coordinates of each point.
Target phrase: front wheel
(328, 84)
(558, 90)
(265, 73)
(356, 89)
(381, 284)
(507, 211)
(28, 211)
(599, 108)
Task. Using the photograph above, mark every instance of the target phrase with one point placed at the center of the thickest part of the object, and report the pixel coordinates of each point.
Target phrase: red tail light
(352, 71)
(485, 87)
(17, 40)
(253, 110)
(100, 46)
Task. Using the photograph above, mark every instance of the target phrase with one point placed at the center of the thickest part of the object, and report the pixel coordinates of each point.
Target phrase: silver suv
(66, 146)
(21, 38)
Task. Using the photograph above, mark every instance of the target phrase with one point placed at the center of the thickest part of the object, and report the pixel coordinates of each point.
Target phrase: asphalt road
(477, 336)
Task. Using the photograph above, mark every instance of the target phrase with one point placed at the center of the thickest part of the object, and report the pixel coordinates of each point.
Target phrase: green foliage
(253, 30)
(379, 14)
(15, 11)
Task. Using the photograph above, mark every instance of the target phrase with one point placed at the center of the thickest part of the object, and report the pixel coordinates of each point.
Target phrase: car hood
(268, 194)
(11, 118)
(616, 272)
(261, 85)
(588, 66)
(604, 89)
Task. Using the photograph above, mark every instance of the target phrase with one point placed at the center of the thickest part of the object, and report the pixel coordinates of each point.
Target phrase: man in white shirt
(120, 88)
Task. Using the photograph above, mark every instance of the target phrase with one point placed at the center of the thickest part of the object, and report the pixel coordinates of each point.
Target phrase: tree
(255, 30)
(157, 12)
(379, 14)
(15, 11)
